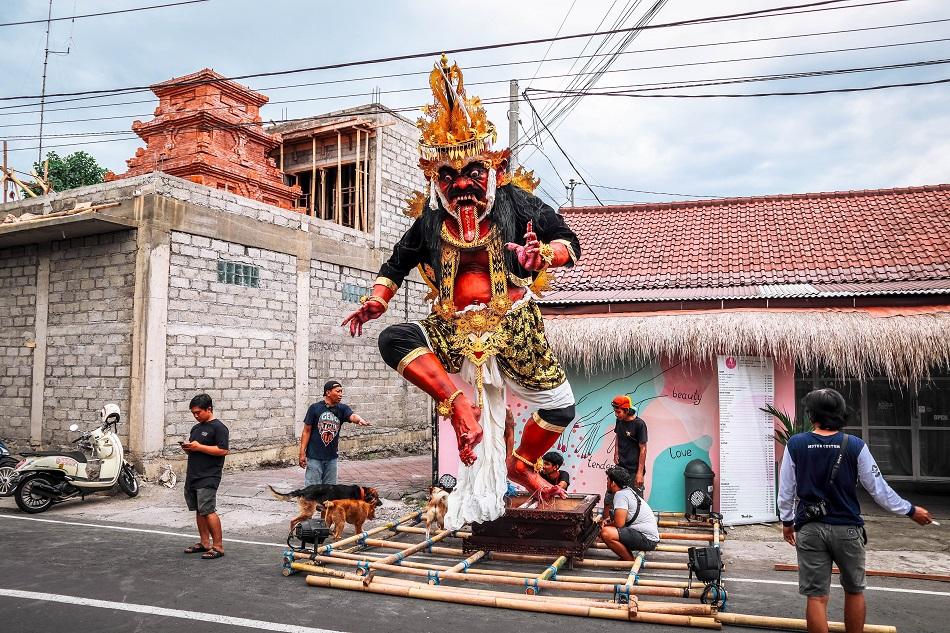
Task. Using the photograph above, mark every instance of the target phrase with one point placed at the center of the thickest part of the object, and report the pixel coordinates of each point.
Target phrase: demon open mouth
(466, 193)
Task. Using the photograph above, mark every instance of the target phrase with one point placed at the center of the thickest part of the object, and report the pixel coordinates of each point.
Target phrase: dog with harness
(632, 526)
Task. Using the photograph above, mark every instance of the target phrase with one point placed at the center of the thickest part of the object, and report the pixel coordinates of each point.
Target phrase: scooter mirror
(74, 427)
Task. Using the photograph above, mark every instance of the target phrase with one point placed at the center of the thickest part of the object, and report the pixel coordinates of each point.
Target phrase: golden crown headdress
(454, 127)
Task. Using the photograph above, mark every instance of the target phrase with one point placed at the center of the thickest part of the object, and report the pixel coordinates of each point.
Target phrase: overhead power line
(95, 15)
(504, 64)
(482, 83)
(553, 138)
(617, 90)
(760, 13)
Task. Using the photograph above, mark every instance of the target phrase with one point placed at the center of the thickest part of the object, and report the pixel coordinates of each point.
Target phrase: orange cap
(622, 401)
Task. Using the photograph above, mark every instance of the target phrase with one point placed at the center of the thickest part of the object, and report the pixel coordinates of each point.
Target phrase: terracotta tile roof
(882, 241)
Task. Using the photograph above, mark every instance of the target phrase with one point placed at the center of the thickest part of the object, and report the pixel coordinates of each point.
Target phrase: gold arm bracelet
(536, 465)
(364, 299)
(444, 408)
(385, 281)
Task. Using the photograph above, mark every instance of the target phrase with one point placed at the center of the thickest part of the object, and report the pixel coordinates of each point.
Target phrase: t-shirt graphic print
(329, 427)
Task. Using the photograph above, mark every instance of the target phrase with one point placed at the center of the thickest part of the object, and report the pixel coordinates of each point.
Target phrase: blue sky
(702, 147)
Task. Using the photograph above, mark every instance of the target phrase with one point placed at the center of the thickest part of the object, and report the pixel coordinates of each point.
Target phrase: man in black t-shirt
(206, 447)
(320, 438)
(551, 470)
(630, 450)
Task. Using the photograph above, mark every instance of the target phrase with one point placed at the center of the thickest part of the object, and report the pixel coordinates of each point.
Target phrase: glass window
(935, 453)
(933, 403)
(239, 274)
(888, 405)
(891, 449)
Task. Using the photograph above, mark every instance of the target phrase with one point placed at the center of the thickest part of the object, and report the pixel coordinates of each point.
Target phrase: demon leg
(540, 434)
(427, 373)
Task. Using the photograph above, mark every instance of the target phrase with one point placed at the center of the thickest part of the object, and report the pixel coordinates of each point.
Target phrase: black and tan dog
(313, 498)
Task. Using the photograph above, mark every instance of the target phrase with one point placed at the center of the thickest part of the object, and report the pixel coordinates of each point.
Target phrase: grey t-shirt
(626, 499)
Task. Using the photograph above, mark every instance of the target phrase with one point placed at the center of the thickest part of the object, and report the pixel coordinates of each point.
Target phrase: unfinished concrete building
(150, 289)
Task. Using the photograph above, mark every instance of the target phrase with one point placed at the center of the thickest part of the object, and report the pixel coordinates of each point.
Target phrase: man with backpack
(632, 526)
(822, 468)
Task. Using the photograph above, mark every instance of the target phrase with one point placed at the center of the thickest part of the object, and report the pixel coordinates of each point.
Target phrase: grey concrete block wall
(233, 342)
(89, 336)
(17, 318)
(371, 388)
(400, 177)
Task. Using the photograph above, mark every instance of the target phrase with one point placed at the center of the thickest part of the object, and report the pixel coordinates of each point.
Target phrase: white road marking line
(161, 611)
(131, 529)
(728, 580)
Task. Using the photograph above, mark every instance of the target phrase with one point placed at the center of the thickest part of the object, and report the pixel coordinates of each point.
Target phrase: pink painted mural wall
(679, 401)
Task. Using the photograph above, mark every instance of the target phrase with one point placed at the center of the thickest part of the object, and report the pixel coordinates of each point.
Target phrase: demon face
(465, 195)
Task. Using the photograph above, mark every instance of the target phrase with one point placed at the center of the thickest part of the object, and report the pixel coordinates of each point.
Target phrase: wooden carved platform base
(565, 527)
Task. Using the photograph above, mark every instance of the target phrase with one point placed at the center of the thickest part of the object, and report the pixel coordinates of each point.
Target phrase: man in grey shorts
(632, 526)
(206, 447)
(821, 470)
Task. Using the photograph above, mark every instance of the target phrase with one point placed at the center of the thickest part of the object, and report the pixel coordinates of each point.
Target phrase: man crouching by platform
(632, 525)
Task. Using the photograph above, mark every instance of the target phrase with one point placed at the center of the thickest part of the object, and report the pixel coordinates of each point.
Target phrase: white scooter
(47, 477)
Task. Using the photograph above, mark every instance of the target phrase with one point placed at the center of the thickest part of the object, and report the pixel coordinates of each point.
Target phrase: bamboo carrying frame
(530, 582)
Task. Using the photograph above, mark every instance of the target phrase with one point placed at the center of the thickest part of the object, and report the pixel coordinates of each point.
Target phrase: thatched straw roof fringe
(854, 344)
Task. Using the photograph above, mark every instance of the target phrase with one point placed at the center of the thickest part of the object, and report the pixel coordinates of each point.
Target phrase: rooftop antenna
(46, 53)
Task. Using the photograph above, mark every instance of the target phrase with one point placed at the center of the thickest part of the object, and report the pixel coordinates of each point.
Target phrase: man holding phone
(207, 446)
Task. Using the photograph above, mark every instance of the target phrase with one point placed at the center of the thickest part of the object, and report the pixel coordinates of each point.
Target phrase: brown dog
(338, 513)
(312, 498)
(434, 512)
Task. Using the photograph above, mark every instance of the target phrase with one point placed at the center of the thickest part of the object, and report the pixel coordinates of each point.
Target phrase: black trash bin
(699, 488)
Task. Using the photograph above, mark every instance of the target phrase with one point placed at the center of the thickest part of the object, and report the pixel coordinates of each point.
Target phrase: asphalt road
(57, 575)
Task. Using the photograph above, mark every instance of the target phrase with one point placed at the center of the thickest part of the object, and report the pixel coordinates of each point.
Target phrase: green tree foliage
(76, 170)
(787, 425)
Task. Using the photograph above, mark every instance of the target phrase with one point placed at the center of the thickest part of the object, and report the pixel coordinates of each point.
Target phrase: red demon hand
(529, 255)
(366, 312)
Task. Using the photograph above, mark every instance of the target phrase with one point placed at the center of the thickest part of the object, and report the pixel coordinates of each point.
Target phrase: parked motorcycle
(7, 469)
(47, 477)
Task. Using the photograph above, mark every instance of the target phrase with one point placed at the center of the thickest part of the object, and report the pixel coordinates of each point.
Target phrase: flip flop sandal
(197, 548)
(212, 553)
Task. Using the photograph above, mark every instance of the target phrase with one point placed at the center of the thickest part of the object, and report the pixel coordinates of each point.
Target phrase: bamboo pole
(324, 571)
(420, 530)
(323, 194)
(498, 579)
(880, 572)
(717, 537)
(409, 551)
(323, 549)
(357, 213)
(464, 565)
(634, 570)
(365, 210)
(338, 211)
(312, 211)
(521, 603)
(372, 557)
(550, 571)
(620, 564)
(790, 624)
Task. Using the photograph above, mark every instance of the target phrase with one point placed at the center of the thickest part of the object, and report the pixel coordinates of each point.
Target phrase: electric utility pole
(46, 54)
(513, 137)
(569, 187)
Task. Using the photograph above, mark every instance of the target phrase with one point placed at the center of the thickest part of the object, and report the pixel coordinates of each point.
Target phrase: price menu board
(746, 440)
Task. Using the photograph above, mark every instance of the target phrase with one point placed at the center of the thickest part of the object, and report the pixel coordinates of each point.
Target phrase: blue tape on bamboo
(362, 566)
(465, 566)
(553, 572)
(433, 577)
(531, 583)
(362, 539)
(399, 557)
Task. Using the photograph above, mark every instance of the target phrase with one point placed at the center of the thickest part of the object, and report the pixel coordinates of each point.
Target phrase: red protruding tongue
(468, 223)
